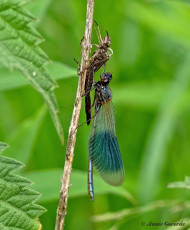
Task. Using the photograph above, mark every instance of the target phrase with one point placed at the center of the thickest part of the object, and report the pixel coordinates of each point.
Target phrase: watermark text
(158, 224)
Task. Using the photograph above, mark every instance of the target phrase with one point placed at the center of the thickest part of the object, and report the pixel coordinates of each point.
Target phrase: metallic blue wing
(103, 146)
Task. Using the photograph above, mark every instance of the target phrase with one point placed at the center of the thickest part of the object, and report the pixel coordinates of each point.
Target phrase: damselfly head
(106, 77)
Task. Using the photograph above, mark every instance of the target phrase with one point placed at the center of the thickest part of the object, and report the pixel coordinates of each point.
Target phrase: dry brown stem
(65, 181)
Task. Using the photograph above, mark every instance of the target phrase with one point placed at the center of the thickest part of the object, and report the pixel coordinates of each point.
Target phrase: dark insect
(104, 151)
(97, 60)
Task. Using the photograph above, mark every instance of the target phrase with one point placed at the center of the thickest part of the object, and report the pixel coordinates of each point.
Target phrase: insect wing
(103, 146)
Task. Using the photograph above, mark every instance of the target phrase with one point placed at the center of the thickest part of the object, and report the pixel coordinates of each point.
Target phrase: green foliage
(23, 138)
(19, 48)
(168, 114)
(151, 94)
(156, 19)
(18, 209)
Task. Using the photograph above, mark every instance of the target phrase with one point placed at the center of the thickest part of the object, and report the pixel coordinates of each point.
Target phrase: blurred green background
(151, 96)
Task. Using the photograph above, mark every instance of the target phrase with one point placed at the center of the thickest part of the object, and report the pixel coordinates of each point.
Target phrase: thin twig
(65, 181)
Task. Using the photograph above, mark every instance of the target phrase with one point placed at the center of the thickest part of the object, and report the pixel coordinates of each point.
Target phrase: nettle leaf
(19, 48)
(18, 209)
(180, 184)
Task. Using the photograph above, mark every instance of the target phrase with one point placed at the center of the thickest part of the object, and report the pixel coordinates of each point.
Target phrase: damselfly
(104, 151)
(97, 60)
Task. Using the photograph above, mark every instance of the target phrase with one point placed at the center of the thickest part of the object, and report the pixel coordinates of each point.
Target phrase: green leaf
(180, 184)
(18, 209)
(22, 139)
(164, 127)
(78, 188)
(19, 48)
(11, 80)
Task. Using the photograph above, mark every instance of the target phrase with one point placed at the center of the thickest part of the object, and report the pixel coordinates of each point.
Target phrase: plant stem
(65, 181)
